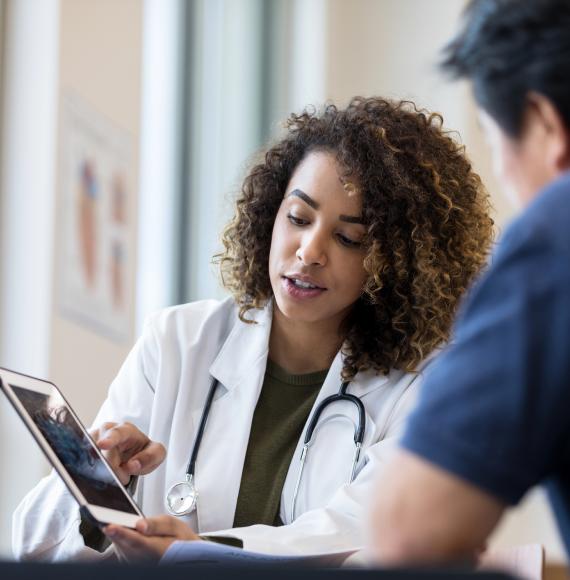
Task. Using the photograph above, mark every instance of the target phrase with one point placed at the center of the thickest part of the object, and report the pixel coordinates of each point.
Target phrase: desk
(556, 572)
(33, 571)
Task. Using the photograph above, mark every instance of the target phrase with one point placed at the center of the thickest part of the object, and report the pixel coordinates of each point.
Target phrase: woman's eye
(296, 220)
(348, 242)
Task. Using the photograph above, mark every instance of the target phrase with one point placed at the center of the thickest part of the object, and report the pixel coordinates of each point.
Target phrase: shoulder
(187, 335)
(390, 398)
(397, 384)
(544, 223)
(190, 321)
(528, 272)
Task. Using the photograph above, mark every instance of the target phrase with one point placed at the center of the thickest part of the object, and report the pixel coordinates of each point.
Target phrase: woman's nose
(312, 250)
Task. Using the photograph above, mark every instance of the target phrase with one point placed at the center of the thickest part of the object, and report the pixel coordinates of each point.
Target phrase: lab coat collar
(245, 347)
(363, 382)
(248, 345)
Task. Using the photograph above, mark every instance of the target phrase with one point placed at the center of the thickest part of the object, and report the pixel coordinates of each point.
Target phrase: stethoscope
(182, 497)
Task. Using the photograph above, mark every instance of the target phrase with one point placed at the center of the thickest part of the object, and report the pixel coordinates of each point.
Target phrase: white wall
(95, 50)
(223, 127)
(27, 204)
(100, 59)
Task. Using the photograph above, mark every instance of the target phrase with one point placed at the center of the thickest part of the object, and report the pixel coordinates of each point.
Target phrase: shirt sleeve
(47, 523)
(494, 407)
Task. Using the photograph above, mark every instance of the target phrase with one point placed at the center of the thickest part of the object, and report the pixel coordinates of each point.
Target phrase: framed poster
(95, 242)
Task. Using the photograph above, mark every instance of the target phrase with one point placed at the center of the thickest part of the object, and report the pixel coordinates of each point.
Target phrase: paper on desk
(203, 553)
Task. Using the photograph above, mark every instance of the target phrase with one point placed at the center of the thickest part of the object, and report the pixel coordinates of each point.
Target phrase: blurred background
(126, 127)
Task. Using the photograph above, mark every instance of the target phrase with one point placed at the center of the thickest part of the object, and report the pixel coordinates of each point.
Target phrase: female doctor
(352, 242)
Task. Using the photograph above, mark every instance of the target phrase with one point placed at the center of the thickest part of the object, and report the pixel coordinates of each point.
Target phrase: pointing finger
(147, 460)
(123, 436)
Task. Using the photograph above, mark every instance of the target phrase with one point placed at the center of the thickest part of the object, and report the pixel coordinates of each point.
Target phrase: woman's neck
(303, 347)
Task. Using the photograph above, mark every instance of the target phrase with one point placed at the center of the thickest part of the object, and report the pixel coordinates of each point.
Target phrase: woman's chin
(297, 312)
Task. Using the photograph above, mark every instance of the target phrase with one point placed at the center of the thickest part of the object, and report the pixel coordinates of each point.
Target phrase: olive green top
(280, 415)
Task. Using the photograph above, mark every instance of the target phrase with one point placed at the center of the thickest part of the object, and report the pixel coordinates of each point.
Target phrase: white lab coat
(162, 388)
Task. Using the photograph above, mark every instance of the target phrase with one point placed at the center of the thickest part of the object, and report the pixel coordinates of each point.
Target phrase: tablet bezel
(100, 514)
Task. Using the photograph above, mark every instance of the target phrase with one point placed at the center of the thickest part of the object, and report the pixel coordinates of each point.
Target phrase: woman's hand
(151, 539)
(128, 450)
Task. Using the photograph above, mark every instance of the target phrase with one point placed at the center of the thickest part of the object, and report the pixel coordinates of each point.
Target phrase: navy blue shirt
(495, 408)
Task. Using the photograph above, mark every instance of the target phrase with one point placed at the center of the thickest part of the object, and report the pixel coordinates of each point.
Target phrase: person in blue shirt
(493, 418)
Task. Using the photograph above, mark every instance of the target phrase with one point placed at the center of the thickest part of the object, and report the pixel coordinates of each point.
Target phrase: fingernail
(136, 464)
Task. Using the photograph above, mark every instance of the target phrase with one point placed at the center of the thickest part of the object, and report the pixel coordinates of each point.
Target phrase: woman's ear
(555, 146)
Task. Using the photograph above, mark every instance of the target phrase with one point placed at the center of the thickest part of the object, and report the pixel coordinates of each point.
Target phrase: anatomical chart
(95, 242)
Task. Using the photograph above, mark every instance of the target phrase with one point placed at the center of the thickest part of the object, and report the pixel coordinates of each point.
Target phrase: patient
(503, 427)
(353, 239)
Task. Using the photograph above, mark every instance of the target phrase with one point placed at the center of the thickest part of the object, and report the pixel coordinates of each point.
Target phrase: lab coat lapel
(240, 370)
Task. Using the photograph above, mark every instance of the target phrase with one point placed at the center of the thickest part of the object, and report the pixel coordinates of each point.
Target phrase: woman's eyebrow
(306, 198)
(351, 219)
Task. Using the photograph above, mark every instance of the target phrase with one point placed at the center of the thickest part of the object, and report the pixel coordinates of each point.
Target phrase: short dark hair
(509, 48)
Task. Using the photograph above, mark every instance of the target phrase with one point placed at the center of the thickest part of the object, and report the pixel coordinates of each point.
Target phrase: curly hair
(427, 217)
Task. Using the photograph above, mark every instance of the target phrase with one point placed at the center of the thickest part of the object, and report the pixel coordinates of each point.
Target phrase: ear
(556, 134)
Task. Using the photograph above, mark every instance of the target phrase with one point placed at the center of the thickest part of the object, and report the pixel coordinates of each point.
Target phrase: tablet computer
(70, 449)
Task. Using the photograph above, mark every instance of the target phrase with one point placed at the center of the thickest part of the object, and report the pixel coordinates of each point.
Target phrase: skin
(423, 514)
(129, 451)
(151, 538)
(525, 165)
(317, 234)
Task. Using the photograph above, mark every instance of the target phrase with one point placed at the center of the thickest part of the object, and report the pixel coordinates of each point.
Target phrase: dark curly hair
(427, 217)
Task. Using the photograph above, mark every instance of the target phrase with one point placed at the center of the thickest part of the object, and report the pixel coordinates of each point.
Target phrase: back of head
(510, 48)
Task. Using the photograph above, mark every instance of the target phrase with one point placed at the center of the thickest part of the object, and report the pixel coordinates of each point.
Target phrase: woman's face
(316, 258)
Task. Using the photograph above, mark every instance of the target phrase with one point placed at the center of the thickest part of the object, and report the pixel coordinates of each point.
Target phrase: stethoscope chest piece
(182, 497)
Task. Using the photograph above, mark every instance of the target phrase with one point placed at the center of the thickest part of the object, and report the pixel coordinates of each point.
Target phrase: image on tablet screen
(74, 449)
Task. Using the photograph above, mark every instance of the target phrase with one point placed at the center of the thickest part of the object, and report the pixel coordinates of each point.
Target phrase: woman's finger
(123, 437)
(96, 434)
(146, 460)
(166, 526)
(158, 526)
(135, 546)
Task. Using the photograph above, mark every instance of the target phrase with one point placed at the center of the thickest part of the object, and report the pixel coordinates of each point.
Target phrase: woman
(352, 242)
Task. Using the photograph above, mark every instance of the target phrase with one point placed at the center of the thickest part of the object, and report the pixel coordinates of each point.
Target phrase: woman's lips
(298, 292)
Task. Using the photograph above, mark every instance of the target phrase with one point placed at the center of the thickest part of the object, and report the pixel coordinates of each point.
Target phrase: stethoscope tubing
(190, 470)
(182, 497)
(359, 431)
(342, 395)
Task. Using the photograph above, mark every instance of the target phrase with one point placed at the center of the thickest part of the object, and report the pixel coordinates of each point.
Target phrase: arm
(46, 523)
(489, 425)
(448, 520)
(335, 528)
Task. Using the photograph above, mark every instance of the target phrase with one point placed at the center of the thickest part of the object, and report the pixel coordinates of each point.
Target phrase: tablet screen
(74, 449)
